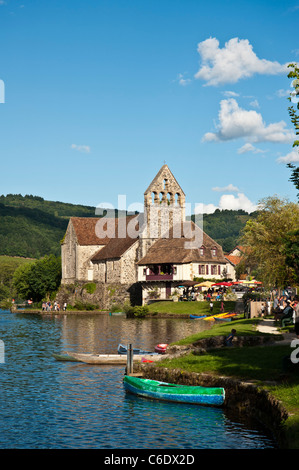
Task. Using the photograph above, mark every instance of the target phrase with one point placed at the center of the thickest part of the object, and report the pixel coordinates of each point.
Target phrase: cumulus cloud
(235, 61)
(235, 123)
(292, 157)
(229, 187)
(250, 148)
(81, 148)
(229, 202)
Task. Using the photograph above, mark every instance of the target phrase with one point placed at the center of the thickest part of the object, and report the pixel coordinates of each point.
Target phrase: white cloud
(291, 157)
(282, 93)
(182, 81)
(81, 148)
(235, 123)
(231, 202)
(205, 208)
(255, 104)
(250, 148)
(229, 187)
(235, 61)
(230, 94)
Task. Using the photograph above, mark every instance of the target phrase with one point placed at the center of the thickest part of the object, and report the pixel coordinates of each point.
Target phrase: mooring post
(130, 359)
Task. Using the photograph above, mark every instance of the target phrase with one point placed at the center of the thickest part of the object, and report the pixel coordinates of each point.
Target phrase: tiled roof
(233, 259)
(114, 249)
(87, 233)
(174, 250)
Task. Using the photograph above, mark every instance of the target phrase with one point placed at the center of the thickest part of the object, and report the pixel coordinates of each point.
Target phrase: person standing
(296, 311)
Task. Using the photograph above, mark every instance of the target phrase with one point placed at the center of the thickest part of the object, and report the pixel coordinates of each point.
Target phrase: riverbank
(256, 373)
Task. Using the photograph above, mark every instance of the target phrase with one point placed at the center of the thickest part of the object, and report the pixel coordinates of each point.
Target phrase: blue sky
(100, 93)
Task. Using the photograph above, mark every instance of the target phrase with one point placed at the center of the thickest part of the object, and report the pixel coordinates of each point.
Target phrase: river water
(47, 404)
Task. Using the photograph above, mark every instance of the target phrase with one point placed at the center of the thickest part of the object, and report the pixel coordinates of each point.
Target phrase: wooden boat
(122, 349)
(172, 392)
(161, 348)
(110, 359)
(195, 317)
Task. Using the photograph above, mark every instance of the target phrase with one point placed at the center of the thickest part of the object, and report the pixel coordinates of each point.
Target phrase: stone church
(133, 256)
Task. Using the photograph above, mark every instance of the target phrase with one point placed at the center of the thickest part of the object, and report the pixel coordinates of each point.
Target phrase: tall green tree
(294, 98)
(264, 238)
(38, 280)
(291, 250)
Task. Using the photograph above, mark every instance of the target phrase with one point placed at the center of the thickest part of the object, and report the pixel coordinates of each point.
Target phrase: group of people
(286, 310)
(47, 306)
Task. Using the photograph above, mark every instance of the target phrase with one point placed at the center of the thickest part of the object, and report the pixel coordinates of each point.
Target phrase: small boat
(117, 313)
(122, 349)
(161, 348)
(218, 315)
(223, 318)
(102, 359)
(176, 393)
(64, 357)
(195, 317)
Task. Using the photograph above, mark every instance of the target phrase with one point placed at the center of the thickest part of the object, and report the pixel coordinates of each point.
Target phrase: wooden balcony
(159, 277)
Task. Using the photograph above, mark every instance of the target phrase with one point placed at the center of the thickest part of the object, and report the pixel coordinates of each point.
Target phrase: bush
(116, 308)
(137, 311)
(90, 287)
(82, 306)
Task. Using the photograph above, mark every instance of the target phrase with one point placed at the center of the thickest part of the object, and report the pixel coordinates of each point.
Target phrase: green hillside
(225, 226)
(32, 227)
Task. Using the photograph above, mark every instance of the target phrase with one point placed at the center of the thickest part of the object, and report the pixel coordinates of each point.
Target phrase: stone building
(155, 250)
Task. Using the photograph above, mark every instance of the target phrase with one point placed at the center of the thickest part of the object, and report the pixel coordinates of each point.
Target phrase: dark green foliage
(225, 226)
(291, 250)
(38, 280)
(90, 287)
(32, 227)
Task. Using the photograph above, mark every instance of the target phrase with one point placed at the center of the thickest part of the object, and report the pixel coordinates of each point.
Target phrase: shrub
(90, 287)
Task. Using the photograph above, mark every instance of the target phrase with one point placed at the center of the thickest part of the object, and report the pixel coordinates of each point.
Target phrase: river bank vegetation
(266, 366)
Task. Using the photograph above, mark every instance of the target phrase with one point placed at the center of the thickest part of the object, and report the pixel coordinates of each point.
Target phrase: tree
(294, 98)
(264, 239)
(291, 250)
(38, 280)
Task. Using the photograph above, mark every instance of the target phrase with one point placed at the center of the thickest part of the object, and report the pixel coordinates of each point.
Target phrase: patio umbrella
(227, 284)
(204, 284)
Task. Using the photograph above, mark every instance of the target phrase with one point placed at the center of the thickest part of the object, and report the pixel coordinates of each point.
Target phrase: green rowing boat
(173, 392)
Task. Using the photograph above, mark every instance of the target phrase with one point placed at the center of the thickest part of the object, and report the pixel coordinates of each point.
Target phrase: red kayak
(161, 348)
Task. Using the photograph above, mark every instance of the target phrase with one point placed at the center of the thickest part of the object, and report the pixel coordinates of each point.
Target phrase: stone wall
(242, 397)
(104, 296)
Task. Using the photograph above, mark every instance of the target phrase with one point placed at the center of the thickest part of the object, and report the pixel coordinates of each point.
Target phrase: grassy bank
(261, 364)
(189, 308)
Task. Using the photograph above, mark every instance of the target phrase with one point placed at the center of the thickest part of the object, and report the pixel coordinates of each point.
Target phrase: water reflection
(51, 404)
(102, 333)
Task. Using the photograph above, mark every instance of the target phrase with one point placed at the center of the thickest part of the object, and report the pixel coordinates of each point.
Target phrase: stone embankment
(246, 398)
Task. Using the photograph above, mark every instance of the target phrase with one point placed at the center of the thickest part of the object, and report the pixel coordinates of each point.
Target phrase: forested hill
(32, 227)
(225, 226)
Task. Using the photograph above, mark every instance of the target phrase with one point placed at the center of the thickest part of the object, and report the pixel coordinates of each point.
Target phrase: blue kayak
(195, 317)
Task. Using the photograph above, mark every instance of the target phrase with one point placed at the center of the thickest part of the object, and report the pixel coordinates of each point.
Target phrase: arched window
(154, 196)
(162, 196)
